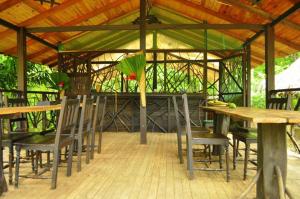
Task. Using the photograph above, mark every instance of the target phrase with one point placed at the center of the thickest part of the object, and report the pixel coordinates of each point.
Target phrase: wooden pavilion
(206, 47)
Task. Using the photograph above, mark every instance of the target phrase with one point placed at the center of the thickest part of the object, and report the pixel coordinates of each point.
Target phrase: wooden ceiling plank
(8, 3)
(42, 16)
(76, 21)
(39, 8)
(261, 13)
(214, 14)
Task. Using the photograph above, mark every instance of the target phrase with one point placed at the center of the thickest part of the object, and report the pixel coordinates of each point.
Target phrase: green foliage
(8, 75)
(59, 81)
(37, 74)
(258, 78)
(133, 64)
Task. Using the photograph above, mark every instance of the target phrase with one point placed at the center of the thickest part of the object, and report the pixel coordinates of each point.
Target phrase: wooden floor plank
(125, 169)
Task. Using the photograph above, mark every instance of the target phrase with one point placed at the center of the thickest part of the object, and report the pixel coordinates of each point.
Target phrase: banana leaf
(59, 81)
(133, 64)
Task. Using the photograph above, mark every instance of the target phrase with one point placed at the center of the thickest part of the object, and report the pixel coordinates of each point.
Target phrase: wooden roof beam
(217, 15)
(97, 11)
(42, 16)
(276, 21)
(8, 3)
(261, 13)
(32, 36)
(37, 7)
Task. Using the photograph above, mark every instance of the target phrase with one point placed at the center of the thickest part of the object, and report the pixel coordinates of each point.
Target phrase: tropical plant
(59, 81)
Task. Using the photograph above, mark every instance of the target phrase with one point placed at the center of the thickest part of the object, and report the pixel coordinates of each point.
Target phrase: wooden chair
(66, 125)
(84, 129)
(195, 129)
(249, 135)
(17, 129)
(203, 139)
(97, 126)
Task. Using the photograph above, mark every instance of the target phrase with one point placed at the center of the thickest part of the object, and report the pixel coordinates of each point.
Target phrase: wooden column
(165, 72)
(248, 79)
(205, 64)
(221, 69)
(269, 59)
(154, 61)
(244, 76)
(21, 61)
(271, 152)
(143, 115)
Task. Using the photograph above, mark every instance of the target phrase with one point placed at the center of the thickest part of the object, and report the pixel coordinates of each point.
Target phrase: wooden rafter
(260, 13)
(213, 13)
(77, 20)
(39, 8)
(42, 16)
(8, 3)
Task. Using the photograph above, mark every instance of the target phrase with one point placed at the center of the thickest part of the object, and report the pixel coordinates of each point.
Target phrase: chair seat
(42, 141)
(209, 138)
(250, 137)
(13, 137)
(200, 129)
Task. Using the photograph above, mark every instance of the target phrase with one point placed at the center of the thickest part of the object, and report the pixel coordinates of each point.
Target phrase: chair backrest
(279, 103)
(99, 114)
(18, 121)
(297, 107)
(67, 118)
(178, 125)
(86, 114)
(187, 116)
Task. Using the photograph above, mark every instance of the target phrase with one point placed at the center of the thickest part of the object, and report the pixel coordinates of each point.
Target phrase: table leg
(221, 126)
(272, 151)
(3, 185)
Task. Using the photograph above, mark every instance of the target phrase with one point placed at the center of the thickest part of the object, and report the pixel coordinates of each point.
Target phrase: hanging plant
(134, 67)
(59, 81)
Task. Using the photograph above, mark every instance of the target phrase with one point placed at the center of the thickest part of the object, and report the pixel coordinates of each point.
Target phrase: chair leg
(48, 157)
(32, 160)
(88, 147)
(220, 160)
(56, 156)
(247, 151)
(190, 159)
(79, 152)
(227, 163)
(36, 162)
(18, 150)
(209, 154)
(234, 152)
(11, 163)
(70, 157)
(99, 142)
(179, 147)
(93, 144)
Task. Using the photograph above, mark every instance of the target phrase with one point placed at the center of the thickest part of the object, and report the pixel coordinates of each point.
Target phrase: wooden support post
(221, 69)
(248, 79)
(143, 111)
(205, 64)
(165, 72)
(271, 152)
(21, 61)
(244, 75)
(269, 59)
(122, 82)
(169, 114)
(154, 61)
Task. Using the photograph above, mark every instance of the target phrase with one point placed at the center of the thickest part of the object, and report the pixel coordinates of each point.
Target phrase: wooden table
(272, 146)
(6, 112)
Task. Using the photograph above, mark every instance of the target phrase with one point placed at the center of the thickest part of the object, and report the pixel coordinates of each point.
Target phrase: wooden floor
(126, 169)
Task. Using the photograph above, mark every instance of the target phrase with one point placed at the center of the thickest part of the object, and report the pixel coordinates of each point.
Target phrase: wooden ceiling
(30, 13)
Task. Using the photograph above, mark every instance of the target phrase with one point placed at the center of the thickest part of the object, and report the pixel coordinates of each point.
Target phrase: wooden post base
(272, 151)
